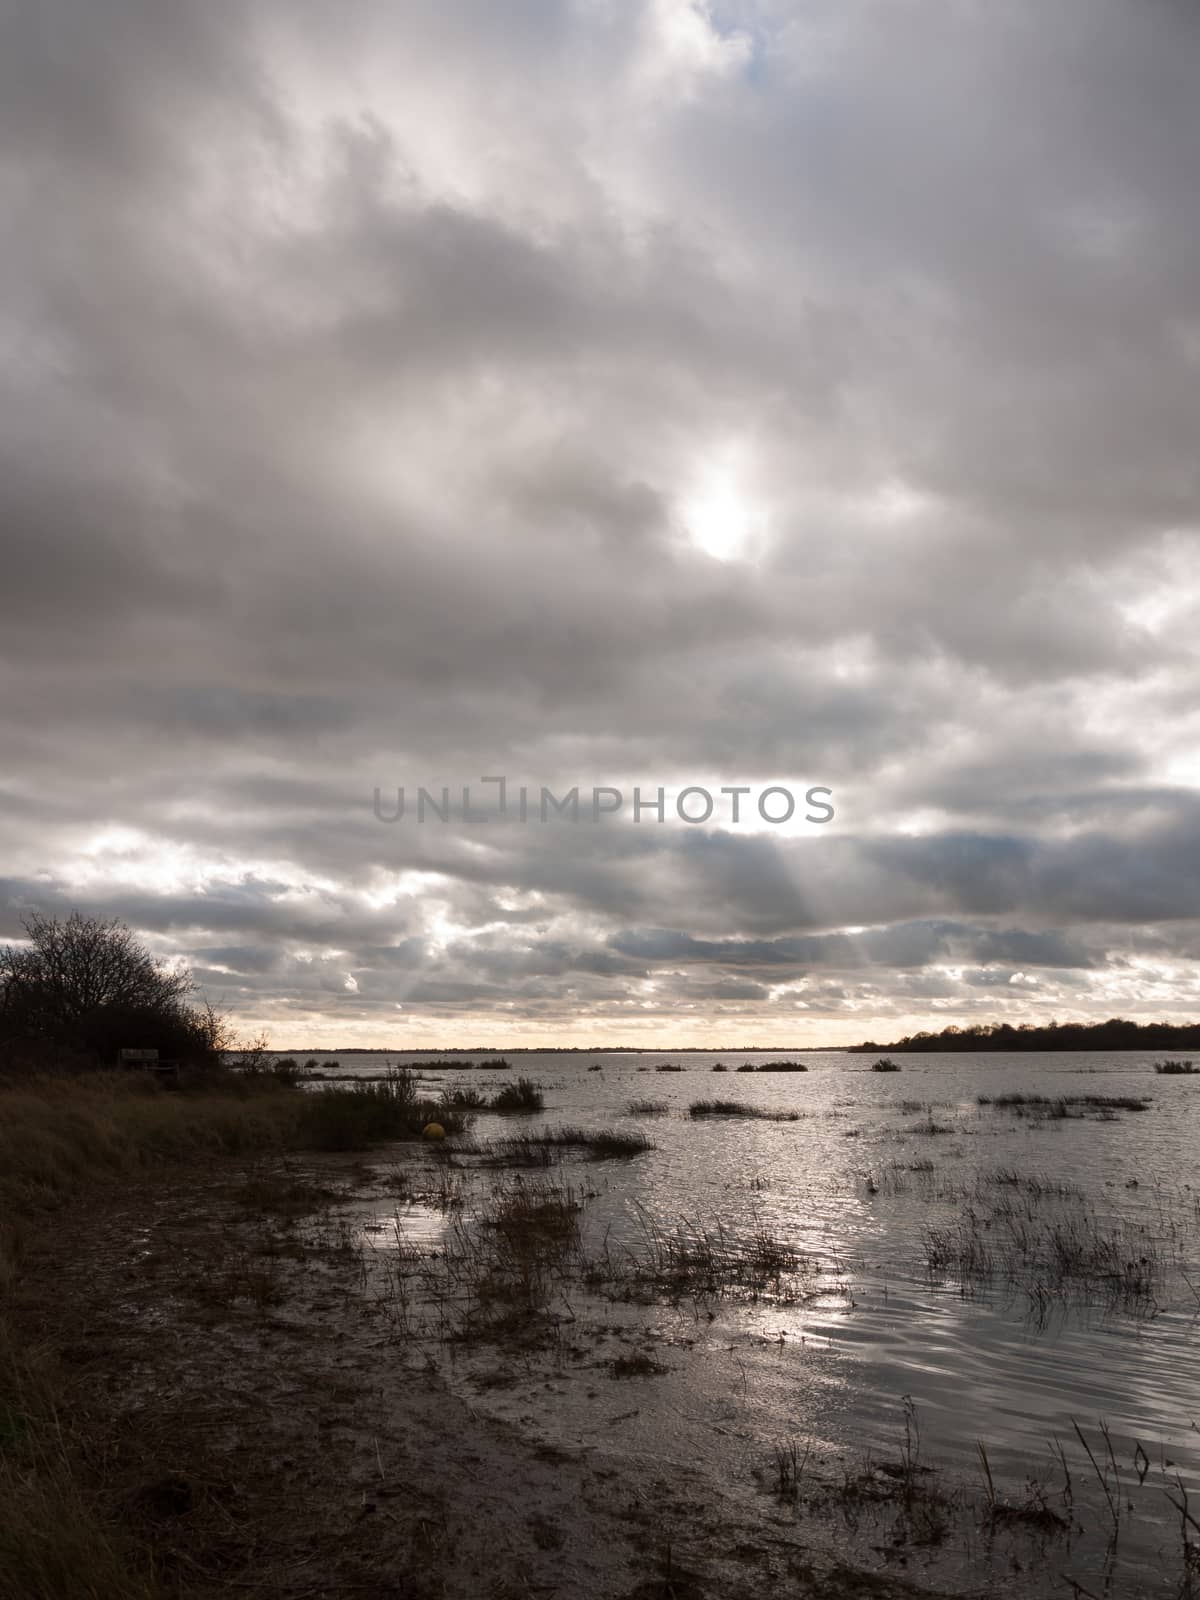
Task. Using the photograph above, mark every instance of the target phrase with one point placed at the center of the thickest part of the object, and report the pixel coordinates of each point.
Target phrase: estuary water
(995, 1252)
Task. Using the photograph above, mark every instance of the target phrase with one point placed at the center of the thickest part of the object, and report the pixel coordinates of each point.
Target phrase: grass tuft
(738, 1108)
(524, 1095)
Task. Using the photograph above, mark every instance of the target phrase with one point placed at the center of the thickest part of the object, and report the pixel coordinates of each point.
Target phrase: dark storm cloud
(379, 386)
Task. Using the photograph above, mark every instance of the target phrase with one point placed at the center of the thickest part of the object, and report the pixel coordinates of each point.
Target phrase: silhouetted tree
(87, 988)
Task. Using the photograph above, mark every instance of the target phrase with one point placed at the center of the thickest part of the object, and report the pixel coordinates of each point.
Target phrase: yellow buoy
(433, 1130)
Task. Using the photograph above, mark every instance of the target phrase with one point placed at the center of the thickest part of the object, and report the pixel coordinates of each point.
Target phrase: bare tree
(89, 986)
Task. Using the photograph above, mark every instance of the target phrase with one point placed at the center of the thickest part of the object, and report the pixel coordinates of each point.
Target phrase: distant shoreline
(936, 1045)
(554, 1049)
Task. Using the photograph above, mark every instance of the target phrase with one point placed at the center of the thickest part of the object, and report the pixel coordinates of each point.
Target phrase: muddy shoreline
(254, 1422)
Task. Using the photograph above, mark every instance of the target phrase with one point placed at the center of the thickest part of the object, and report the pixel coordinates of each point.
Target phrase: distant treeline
(1118, 1033)
(551, 1049)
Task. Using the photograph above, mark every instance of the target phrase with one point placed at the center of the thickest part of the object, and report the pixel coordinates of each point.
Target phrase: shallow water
(1013, 1361)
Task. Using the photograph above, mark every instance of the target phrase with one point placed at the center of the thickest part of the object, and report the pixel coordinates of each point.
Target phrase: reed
(522, 1096)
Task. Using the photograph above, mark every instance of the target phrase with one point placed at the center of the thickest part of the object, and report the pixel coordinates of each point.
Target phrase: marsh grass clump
(721, 1108)
(1032, 1184)
(885, 1064)
(1058, 1108)
(782, 1066)
(506, 1264)
(668, 1067)
(1051, 1252)
(500, 1064)
(647, 1108)
(354, 1116)
(1033, 1512)
(638, 1364)
(1176, 1069)
(534, 1217)
(930, 1127)
(904, 1489)
(465, 1097)
(700, 1261)
(524, 1095)
(518, 1151)
(738, 1108)
(597, 1144)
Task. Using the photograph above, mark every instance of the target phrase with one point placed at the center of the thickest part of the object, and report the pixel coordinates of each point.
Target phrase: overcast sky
(607, 392)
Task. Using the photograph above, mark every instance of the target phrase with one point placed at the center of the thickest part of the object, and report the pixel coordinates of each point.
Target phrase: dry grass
(57, 1535)
(58, 1135)
(63, 1136)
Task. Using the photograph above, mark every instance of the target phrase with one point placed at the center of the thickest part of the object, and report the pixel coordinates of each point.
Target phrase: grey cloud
(364, 375)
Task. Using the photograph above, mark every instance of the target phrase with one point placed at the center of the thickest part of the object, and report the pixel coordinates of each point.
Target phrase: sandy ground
(253, 1414)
